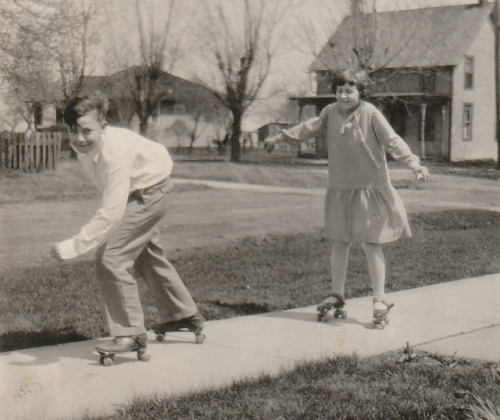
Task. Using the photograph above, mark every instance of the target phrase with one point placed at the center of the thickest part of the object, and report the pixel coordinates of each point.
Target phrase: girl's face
(86, 136)
(347, 96)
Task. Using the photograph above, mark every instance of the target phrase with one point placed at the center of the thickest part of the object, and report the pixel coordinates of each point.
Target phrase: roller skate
(333, 301)
(193, 324)
(123, 344)
(380, 310)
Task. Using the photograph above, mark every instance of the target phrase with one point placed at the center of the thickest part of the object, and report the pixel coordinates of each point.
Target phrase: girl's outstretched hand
(271, 142)
(421, 173)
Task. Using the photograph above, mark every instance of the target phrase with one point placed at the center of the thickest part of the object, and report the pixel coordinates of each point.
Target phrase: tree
(238, 50)
(362, 43)
(145, 64)
(45, 46)
(497, 74)
(180, 130)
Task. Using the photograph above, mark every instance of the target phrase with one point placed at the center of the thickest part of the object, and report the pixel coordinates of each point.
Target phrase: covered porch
(421, 119)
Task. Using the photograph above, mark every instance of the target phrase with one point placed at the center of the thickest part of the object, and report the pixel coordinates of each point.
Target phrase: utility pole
(496, 19)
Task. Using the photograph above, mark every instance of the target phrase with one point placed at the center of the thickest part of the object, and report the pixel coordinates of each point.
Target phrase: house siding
(482, 98)
(162, 129)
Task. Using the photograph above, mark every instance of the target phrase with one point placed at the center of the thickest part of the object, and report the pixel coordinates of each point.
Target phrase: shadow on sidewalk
(313, 317)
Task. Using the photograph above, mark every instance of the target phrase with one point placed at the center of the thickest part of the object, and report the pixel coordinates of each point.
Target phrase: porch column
(423, 109)
(444, 146)
(301, 111)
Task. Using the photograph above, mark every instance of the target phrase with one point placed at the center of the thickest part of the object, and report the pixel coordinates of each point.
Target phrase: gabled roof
(169, 86)
(436, 36)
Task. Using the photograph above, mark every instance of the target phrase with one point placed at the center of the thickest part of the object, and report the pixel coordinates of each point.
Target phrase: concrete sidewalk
(67, 381)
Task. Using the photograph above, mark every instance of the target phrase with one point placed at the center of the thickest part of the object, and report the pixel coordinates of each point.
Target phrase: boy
(132, 174)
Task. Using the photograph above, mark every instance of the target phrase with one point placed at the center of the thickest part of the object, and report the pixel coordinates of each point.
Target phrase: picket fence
(31, 152)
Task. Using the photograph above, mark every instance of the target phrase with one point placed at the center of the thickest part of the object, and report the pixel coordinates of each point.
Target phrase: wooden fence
(30, 152)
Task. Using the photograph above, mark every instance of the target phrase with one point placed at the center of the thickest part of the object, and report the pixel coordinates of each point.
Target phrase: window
(467, 123)
(171, 107)
(59, 115)
(38, 114)
(469, 73)
(167, 106)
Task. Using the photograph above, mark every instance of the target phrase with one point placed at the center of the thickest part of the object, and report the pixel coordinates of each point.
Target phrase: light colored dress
(361, 204)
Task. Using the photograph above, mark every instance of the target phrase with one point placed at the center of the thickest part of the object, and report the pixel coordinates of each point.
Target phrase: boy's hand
(421, 173)
(56, 254)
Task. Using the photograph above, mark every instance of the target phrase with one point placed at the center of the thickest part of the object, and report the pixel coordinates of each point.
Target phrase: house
(433, 73)
(185, 111)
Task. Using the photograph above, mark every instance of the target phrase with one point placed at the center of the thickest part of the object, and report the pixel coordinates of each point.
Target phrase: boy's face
(347, 96)
(86, 136)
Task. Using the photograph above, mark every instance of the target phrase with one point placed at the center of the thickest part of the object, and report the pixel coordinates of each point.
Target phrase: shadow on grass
(237, 308)
(17, 340)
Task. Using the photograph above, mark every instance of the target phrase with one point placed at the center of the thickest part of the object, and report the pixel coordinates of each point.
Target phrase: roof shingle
(437, 36)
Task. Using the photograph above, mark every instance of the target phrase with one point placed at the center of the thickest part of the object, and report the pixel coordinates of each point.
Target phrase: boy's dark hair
(358, 78)
(80, 105)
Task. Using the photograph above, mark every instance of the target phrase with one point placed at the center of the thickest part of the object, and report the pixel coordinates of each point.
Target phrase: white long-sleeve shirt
(122, 163)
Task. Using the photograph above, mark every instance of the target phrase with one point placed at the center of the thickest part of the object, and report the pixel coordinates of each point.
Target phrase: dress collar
(353, 115)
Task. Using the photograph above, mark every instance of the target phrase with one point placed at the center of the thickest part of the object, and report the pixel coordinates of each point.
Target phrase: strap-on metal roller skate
(125, 344)
(380, 312)
(335, 301)
(192, 324)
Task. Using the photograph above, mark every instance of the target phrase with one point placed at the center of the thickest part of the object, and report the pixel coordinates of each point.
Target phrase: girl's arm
(300, 132)
(396, 146)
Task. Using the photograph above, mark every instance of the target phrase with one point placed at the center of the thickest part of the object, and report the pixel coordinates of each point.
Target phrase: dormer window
(469, 73)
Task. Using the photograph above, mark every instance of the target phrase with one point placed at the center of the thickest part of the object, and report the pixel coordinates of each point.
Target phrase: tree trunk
(497, 75)
(191, 143)
(143, 127)
(235, 138)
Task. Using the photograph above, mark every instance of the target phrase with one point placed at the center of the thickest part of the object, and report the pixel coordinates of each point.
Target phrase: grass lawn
(69, 182)
(341, 388)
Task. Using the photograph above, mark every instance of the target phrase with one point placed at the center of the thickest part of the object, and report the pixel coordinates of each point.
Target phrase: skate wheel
(323, 316)
(379, 325)
(200, 338)
(160, 337)
(143, 356)
(343, 314)
(107, 360)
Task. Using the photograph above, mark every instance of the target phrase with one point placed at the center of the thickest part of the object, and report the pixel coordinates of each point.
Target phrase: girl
(361, 204)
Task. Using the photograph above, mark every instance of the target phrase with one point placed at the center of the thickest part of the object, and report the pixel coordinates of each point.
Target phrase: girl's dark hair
(80, 105)
(358, 78)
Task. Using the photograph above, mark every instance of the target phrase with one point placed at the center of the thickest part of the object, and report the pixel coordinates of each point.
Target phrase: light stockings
(339, 260)
(376, 268)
